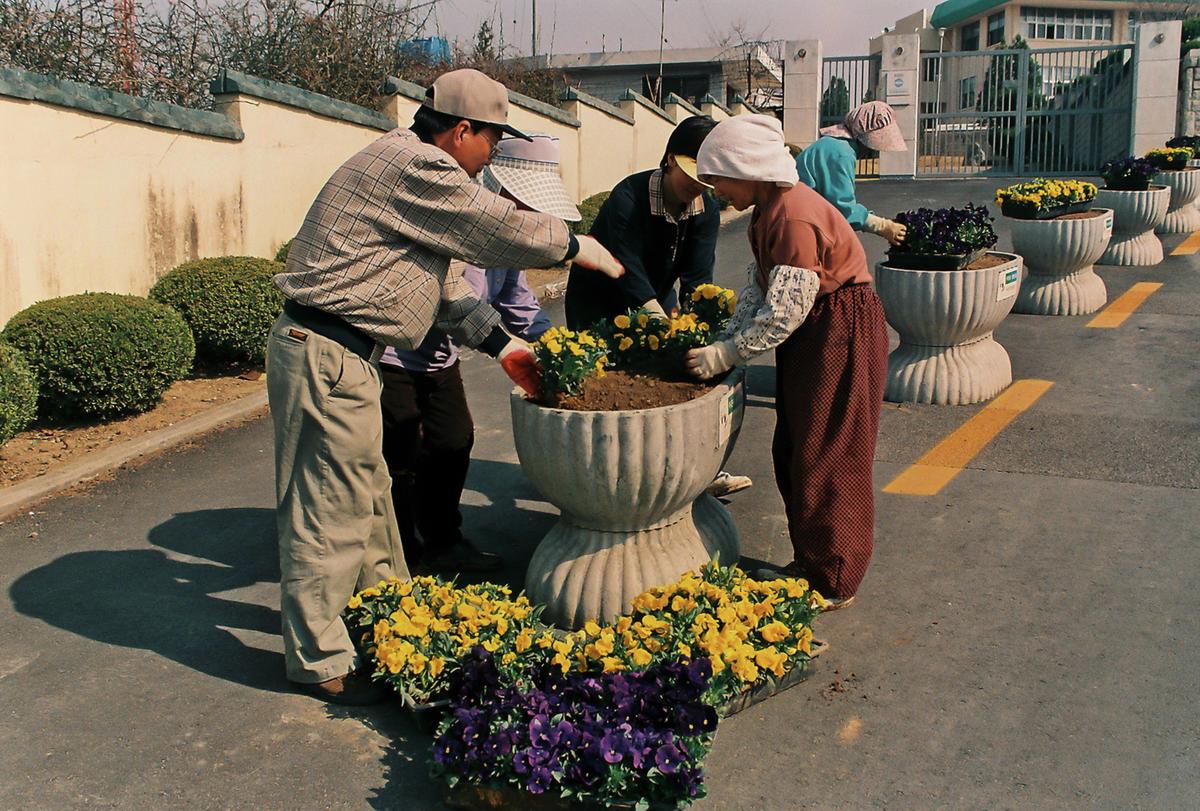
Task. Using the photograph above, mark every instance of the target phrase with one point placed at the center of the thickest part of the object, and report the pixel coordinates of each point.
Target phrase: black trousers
(427, 437)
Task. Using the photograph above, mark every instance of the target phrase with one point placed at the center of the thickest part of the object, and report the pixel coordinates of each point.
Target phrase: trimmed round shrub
(281, 254)
(101, 355)
(229, 302)
(18, 393)
(589, 208)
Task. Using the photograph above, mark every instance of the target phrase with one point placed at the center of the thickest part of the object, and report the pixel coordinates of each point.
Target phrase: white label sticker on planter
(1010, 280)
(726, 415)
(1108, 222)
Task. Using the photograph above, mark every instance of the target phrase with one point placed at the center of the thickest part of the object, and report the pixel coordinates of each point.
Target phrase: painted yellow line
(1117, 311)
(933, 471)
(1189, 246)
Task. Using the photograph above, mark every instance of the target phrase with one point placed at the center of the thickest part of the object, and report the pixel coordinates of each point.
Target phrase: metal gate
(846, 82)
(1019, 111)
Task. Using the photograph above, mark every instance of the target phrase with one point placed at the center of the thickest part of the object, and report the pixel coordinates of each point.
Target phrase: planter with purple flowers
(947, 354)
(1138, 208)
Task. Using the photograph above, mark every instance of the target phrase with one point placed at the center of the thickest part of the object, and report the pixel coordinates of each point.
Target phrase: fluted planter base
(1182, 216)
(1077, 294)
(948, 375)
(1181, 221)
(1136, 250)
(583, 574)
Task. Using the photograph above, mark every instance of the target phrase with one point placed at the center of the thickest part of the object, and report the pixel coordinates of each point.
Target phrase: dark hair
(428, 123)
(686, 138)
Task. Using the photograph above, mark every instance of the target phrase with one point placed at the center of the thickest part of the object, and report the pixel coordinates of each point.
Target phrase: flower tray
(469, 797)
(939, 261)
(771, 686)
(426, 716)
(1022, 213)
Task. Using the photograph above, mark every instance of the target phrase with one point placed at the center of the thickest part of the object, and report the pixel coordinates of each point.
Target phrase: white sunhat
(748, 147)
(528, 170)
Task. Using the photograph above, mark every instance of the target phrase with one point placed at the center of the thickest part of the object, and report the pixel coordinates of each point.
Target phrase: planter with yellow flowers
(1177, 174)
(1060, 236)
(629, 479)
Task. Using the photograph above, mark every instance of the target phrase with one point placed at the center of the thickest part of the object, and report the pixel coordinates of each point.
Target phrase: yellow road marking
(1117, 311)
(1189, 246)
(933, 471)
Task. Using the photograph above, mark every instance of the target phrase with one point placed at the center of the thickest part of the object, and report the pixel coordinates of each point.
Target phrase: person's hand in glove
(709, 361)
(654, 309)
(519, 363)
(890, 230)
(597, 257)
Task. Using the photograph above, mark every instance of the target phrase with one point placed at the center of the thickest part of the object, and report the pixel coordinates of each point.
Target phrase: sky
(569, 26)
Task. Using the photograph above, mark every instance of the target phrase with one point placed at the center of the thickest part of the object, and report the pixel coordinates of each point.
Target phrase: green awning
(952, 12)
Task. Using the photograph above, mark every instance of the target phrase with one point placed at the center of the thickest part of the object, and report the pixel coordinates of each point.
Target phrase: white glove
(709, 361)
(595, 256)
(890, 230)
(519, 363)
(655, 309)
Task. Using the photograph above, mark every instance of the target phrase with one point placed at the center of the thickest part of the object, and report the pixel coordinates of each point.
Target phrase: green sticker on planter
(1108, 223)
(1010, 280)
(728, 415)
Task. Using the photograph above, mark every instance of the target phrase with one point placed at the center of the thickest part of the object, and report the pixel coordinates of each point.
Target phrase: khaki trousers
(337, 531)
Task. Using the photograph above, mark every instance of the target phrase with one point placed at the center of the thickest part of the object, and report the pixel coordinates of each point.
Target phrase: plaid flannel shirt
(376, 245)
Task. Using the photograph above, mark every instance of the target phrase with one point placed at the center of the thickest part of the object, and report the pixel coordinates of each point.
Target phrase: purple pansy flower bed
(618, 737)
(1128, 174)
(945, 232)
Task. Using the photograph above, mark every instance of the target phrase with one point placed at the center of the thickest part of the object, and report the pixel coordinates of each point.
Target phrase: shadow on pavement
(142, 598)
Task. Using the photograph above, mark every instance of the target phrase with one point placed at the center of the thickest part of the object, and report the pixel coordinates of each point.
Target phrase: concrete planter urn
(1182, 215)
(947, 355)
(1135, 216)
(1059, 255)
(630, 486)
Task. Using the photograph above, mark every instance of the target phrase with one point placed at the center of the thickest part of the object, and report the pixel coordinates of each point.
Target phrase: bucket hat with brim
(528, 170)
(873, 124)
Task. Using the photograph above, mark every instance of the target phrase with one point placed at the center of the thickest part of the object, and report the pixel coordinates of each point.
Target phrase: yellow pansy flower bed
(568, 357)
(416, 632)
(1043, 198)
(1169, 158)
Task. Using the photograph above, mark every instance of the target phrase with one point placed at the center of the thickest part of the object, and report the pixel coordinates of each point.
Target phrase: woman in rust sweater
(808, 297)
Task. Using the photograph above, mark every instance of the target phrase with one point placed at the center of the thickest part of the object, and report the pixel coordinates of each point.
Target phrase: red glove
(521, 366)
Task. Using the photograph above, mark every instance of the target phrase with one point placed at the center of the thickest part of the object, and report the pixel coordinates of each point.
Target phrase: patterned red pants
(829, 389)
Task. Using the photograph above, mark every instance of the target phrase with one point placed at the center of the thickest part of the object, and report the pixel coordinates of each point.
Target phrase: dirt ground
(42, 449)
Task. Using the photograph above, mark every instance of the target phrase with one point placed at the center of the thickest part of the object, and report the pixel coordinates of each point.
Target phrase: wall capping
(542, 108)
(631, 95)
(395, 86)
(23, 84)
(682, 102)
(738, 99)
(228, 82)
(709, 98)
(575, 94)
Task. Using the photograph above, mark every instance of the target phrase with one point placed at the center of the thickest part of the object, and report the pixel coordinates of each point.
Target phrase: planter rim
(719, 390)
(1009, 257)
(1151, 187)
(1054, 220)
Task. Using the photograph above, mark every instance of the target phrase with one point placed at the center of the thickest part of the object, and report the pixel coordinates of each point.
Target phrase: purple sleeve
(509, 293)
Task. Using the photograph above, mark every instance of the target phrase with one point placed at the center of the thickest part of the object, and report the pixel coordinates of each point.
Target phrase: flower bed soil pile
(988, 260)
(1082, 215)
(630, 390)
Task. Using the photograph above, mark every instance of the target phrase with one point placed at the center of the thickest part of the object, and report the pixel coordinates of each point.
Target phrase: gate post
(898, 86)
(802, 91)
(1155, 84)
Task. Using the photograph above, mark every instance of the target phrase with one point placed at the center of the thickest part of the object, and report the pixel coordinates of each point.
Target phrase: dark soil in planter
(1082, 215)
(988, 260)
(647, 386)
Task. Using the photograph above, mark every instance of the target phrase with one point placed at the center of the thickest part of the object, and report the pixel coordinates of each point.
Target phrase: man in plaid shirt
(368, 269)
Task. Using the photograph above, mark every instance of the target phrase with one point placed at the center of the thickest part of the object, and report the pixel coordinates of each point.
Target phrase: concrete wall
(105, 192)
(802, 91)
(1156, 84)
(1187, 119)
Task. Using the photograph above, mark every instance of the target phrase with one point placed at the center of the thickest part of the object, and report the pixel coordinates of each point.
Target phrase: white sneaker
(727, 483)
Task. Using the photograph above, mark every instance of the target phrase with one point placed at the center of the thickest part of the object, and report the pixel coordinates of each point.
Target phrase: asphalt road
(1024, 639)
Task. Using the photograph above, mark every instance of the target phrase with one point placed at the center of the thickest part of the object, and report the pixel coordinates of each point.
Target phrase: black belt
(333, 327)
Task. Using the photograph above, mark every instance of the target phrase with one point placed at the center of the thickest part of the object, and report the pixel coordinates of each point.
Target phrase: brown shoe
(352, 690)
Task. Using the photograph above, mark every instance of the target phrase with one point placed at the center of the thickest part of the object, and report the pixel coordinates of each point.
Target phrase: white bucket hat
(748, 147)
(528, 170)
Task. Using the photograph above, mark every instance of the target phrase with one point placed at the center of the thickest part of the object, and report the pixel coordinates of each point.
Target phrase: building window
(1067, 23)
(931, 68)
(966, 93)
(968, 37)
(996, 29)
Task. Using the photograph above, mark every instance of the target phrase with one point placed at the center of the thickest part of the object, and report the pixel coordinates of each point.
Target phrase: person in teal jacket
(827, 165)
